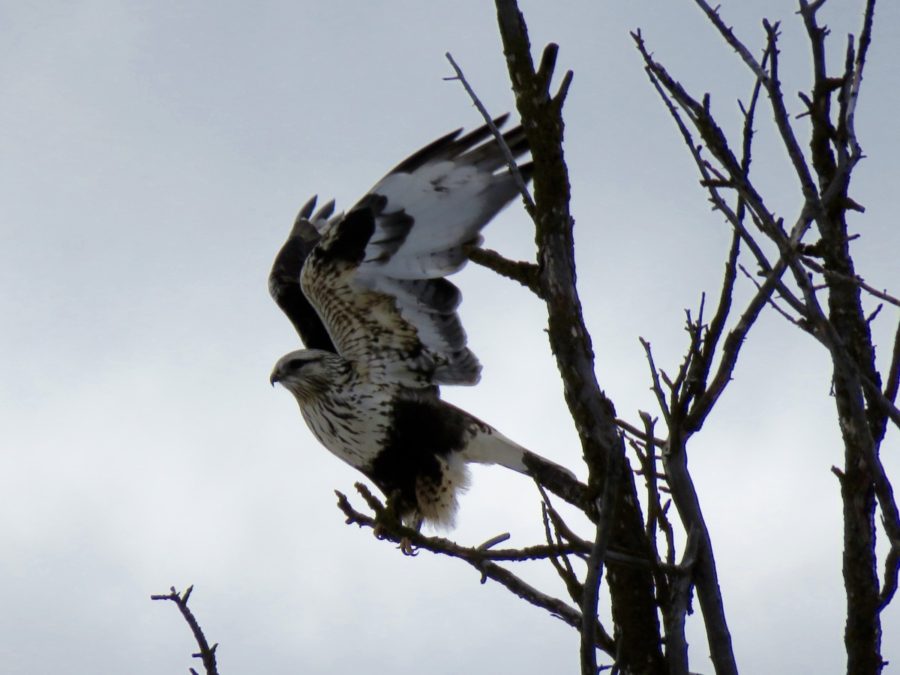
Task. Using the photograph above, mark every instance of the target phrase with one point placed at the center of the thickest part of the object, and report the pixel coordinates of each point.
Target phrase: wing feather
(376, 277)
(284, 279)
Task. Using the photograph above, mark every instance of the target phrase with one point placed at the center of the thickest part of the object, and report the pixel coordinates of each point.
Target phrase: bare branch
(783, 123)
(640, 435)
(678, 607)
(799, 323)
(207, 654)
(482, 560)
(749, 198)
(394, 531)
(606, 509)
(865, 39)
(525, 273)
(705, 575)
(728, 34)
(731, 349)
(717, 325)
(489, 120)
(593, 413)
(891, 571)
(561, 564)
(857, 280)
(892, 383)
(657, 387)
(772, 85)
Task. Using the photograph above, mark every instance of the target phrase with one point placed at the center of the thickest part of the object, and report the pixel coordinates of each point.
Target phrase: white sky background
(153, 158)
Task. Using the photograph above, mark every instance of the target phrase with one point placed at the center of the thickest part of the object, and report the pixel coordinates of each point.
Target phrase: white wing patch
(446, 203)
(376, 279)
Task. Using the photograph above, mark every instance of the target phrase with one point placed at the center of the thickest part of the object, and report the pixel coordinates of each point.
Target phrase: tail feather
(489, 446)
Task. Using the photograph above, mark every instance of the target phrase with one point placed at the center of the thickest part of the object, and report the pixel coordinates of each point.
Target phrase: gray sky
(154, 156)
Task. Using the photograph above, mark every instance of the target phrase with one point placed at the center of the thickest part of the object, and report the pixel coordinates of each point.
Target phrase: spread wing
(284, 279)
(376, 277)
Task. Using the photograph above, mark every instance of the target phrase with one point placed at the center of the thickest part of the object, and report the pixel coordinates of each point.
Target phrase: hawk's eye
(296, 364)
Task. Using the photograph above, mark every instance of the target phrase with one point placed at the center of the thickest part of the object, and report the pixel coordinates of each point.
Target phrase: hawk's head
(308, 373)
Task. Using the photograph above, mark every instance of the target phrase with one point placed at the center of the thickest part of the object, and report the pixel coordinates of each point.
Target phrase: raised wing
(284, 279)
(376, 278)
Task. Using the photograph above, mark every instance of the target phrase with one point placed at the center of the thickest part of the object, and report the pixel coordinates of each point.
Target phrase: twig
(482, 560)
(207, 654)
(678, 607)
(865, 39)
(783, 123)
(395, 531)
(892, 381)
(799, 323)
(891, 571)
(773, 87)
(728, 34)
(717, 325)
(493, 541)
(510, 160)
(640, 435)
(525, 273)
(731, 348)
(656, 387)
(717, 144)
(606, 510)
(654, 507)
(561, 564)
(562, 529)
(857, 280)
(705, 575)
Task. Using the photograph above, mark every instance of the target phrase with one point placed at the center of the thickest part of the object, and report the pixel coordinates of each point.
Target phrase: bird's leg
(388, 521)
(386, 518)
(406, 546)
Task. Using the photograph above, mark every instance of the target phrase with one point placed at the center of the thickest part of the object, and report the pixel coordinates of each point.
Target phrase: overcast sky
(153, 158)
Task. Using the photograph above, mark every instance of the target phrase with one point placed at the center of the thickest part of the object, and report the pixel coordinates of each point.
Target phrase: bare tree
(812, 284)
(802, 266)
(816, 284)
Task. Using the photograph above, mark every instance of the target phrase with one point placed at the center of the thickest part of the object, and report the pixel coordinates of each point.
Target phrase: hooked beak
(274, 377)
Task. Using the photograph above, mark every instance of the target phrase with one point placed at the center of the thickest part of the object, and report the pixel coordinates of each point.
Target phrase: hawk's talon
(407, 547)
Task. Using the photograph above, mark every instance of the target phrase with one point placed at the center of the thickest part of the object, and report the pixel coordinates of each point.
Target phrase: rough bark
(631, 589)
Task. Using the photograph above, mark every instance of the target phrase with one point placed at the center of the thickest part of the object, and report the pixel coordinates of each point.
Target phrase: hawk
(366, 291)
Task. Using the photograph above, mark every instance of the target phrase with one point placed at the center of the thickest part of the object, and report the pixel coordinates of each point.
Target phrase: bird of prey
(366, 291)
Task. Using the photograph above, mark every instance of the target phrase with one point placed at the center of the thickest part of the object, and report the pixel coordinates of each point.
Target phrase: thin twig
(395, 531)
(481, 559)
(715, 141)
(510, 160)
(891, 571)
(731, 348)
(656, 386)
(640, 435)
(865, 39)
(733, 41)
(207, 654)
(561, 564)
(525, 273)
(892, 381)
(799, 323)
(606, 510)
(857, 280)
